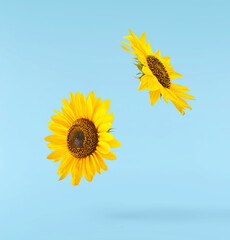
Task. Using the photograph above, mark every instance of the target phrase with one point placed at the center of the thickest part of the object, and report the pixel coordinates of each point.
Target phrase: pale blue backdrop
(171, 180)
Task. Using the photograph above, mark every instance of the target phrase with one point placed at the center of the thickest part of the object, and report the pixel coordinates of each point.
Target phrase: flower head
(156, 73)
(82, 137)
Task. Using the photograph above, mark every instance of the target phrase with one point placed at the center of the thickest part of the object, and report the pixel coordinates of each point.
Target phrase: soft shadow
(170, 214)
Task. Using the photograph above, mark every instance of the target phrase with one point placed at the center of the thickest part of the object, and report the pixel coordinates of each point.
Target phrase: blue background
(171, 180)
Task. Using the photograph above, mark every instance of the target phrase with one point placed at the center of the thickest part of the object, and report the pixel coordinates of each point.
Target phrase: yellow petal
(178, 107)
(83, 105)
(126, 43)
(141, 57)
(157, 54)
(109, 117)
(106, 105)
(149, 49)
(144, 83)
(104, 127)
(99, 118)
(114, 143)
(101, 162)
(77, 172)
(89, 104)
(126, 49)
(96, 108)
(65, 164)
(92, 96)
(164, 93)
(103, 147)
(178, 102)
(57, 154)
(61, 116)
(179, 87)
(138, 44)
(64, 169)
(78, 104)
(138, 47)
(64, 175)
(100, 112)
(143, 38)
(67, 110)
(61, 121)
(174, 75)
(73, 105)
(165, 60)
(87, 174)
(184, 103)
(97, 165)
(55, 146)
(147, 71)
(184, 95)
(128, 37)
(57, 139)
(57, 129)
(89, 167)
(109, 156)
(105, 136)
(153, 83)
(92, 165)
(154, 96)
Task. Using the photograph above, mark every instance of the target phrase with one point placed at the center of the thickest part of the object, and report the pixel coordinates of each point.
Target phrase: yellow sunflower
(156, 73)
(82, 137)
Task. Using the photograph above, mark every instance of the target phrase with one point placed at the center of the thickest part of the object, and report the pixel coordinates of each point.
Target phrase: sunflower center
(76, 137)
(82, 138)
(158, 71)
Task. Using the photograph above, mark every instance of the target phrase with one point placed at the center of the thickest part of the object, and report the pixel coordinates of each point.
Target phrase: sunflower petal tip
(74, 184)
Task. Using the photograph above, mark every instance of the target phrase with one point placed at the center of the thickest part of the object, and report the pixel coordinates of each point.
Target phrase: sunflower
(82, 137)
(156, 73)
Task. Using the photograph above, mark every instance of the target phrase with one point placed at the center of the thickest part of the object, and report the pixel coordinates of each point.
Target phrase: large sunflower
(156, 73)
(82, 137)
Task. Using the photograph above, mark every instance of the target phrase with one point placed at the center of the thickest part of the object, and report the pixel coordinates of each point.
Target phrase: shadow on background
(170, 214)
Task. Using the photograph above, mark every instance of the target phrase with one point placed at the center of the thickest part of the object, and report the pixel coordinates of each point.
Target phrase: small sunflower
(82, 137)
(156, 73)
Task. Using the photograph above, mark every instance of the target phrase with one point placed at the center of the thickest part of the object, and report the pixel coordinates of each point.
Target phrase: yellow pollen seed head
(158, 71)
(82, 138)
